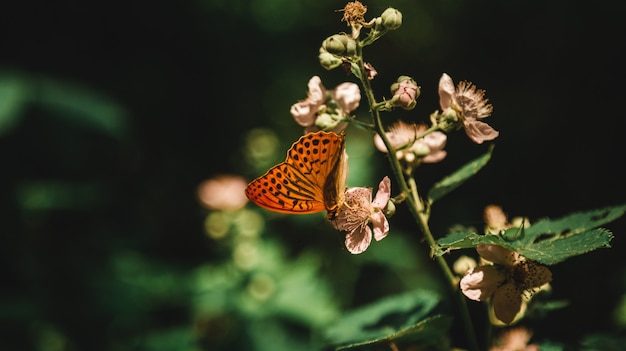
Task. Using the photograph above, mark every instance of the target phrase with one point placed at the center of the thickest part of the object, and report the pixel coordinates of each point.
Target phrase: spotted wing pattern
(312, 178)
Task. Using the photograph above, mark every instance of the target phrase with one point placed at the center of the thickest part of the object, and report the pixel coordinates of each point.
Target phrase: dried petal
(507, 302)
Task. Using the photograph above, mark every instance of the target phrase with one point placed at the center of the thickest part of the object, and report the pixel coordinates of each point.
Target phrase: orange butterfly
(312, 178)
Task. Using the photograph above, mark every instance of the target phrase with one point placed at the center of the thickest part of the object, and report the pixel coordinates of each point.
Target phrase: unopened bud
(420, 149)
(328, 60)
(340, 45)
(405, 92)
(448, 120)
(391, 18)
(326, 121)
(390, 209)
(463, 265)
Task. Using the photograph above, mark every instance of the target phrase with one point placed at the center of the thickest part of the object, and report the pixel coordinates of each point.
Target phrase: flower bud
(391, 18)
(463, 265)
(448, 120)
(405, 92)
(420, 149)
(340, 45)
(328, 60)
(390, 208)
(326, 121)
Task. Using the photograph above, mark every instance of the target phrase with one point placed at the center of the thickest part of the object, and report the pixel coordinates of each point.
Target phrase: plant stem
(416, 205)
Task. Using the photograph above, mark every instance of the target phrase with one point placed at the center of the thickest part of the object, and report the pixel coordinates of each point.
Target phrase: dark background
(123, 109)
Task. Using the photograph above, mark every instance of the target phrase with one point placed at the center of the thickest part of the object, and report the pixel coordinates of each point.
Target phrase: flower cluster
(412, 148)
(326, 109)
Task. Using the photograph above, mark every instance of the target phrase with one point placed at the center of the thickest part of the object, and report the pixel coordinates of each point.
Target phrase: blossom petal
(479, 131)
(379, 143)
(380, 224)
(317, 92)
(383, 194)
(359, 239)
(497, 254)
(480, 282)
(436, 140)
(507, 302)
(435, 157)
(537, 276)
(303, 113)
(446, 91)
(348, 96)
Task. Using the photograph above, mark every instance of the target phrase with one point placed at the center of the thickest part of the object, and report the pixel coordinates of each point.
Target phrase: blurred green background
(111, 114)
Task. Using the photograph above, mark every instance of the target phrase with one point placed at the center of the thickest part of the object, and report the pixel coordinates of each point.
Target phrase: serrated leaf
(457, 178)
(574, 223)
(548, 241)
(400, 318)
(461, 240)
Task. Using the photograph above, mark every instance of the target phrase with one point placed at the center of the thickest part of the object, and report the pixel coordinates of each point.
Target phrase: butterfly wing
(300, 184)
(283, 189)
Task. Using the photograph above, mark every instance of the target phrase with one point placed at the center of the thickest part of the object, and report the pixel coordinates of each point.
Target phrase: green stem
(416, 205)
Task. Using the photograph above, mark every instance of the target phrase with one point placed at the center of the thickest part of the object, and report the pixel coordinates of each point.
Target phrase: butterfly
(312, 178)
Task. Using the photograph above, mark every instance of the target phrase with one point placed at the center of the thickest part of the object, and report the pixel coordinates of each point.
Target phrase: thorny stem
(416, 205)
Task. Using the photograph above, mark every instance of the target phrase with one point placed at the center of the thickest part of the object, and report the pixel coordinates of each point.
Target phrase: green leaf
(75, 103)
(83, 105)
(547, 241)
(602, 341)
(550, 346)
(13, 94)
(408, 317)
(457, 178)
(52, 195)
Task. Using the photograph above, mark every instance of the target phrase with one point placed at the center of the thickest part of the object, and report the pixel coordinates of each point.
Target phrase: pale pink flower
(346, 96)
(402, 137)
(435, 142)
(506, 281)
(358, 211)
(304, 111)
(223, 192)
(515, 339)
(470, 105)
(495, 219)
